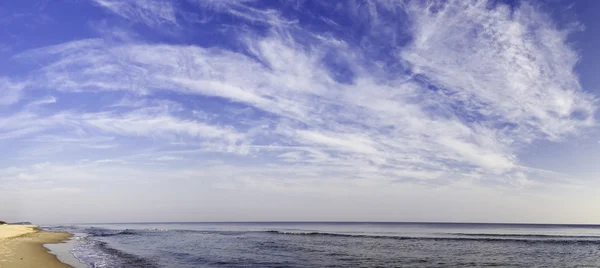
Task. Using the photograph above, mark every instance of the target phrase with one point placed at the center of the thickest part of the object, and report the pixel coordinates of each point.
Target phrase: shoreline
(23, 246)
(63, 252)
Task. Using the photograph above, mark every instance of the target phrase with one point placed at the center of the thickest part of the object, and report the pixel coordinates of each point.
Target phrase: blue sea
(316, 244)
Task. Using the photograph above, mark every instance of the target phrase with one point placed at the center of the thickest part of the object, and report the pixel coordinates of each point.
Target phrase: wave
(93, 231)
(125, 259)
(98, 254)
(528, 235)
(296, 232)
(464, 237)
(95, 252)
(300, 233)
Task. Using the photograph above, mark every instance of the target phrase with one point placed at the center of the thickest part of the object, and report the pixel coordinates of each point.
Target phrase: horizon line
(340, 222)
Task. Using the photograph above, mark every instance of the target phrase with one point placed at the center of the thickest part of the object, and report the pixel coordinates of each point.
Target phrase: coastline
(23, 246)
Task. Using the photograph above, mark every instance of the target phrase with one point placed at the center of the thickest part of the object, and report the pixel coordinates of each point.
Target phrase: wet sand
(21, 246)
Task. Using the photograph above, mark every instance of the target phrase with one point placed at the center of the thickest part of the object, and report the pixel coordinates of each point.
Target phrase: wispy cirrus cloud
(152, 13)
(459, 99)
(41, 135)
(11, 90)
(505, 66)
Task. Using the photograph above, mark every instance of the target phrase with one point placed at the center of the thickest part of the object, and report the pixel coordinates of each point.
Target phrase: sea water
(313, 244)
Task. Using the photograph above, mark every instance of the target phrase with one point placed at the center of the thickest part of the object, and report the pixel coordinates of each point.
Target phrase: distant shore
(21, 246)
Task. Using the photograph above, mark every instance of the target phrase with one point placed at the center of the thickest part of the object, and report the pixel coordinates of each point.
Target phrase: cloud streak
(152, 13)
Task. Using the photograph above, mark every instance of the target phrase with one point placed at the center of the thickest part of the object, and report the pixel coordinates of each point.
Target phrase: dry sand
(22, 246)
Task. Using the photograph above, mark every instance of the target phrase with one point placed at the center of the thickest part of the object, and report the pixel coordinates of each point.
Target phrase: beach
(22, 246)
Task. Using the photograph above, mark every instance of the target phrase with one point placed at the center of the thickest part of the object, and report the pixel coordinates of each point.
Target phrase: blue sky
(375, 110)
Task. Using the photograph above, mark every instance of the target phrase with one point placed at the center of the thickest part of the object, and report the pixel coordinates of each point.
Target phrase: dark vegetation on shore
(16, 223)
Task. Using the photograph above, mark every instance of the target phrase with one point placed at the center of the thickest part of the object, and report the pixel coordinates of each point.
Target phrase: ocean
(329, 244)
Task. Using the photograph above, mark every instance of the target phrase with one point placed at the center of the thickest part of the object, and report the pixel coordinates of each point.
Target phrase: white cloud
(345, 142)
(503, 65)
(10, 91)
(41, 102)
(150, 12)
(150, 124)
(25, 123)
(478, 156)
(168, 158)
(241, 10)
(51, 134)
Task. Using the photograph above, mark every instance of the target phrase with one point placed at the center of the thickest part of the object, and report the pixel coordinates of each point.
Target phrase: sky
(248, 110)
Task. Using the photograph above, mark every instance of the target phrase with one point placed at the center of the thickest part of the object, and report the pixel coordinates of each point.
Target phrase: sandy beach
(22, 246)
